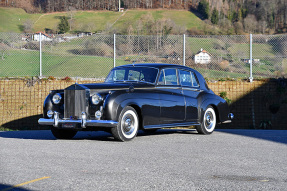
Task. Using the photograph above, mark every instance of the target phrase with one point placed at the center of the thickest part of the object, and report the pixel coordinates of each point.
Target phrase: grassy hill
(12, 19)
(62, 59)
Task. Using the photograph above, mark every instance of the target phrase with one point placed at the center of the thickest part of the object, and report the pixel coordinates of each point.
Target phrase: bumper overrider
(57, 122)
(230, 117)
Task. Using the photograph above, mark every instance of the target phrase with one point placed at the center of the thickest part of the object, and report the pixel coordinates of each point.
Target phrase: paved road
(167, 160)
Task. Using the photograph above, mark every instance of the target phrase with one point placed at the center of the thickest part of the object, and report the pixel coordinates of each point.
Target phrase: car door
(191, 91)
(172, 102)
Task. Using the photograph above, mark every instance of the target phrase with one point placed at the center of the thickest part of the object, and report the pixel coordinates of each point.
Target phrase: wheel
(208, 121)
(128, 125)
(63, 134)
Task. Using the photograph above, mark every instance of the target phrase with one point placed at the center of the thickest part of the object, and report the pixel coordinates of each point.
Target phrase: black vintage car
(133, 97)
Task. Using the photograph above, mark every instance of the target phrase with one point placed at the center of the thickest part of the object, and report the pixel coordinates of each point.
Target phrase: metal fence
(92, 56)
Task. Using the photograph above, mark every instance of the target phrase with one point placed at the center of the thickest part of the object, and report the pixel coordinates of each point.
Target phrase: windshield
(137, 74)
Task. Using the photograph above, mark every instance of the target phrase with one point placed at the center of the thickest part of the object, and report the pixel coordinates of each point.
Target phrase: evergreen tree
(63, 25)
(203, 8)
(215, 17)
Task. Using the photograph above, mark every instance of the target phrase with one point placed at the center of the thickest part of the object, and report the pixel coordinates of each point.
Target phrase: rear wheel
(128, 125)
(208, 121)
(63, 134)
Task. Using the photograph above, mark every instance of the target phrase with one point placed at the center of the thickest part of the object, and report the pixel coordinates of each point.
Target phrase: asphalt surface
(166, 160)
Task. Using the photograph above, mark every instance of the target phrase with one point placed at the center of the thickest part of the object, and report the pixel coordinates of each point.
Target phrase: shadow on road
(10, 187)
(279, 136)
(90, 135)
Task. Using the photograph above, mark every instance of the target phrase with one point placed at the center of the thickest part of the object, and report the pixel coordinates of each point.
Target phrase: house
(247, 61)
(202, 57)
(82, 34)
(43, 35)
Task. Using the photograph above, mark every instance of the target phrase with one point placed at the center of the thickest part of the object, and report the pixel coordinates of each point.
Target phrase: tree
(250, 24)
(2, 50)
(71, 13)
(238, 28)
(64, 25)
(27, 26)
(203, 9)
(215, 16)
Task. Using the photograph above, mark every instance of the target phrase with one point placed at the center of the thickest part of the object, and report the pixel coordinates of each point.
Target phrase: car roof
(156, 65)
(164, 65)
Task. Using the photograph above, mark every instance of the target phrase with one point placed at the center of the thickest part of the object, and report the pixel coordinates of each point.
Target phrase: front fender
(115, 103)
(48, 104)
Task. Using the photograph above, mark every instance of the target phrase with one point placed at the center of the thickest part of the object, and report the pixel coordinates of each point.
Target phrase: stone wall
(260, 104)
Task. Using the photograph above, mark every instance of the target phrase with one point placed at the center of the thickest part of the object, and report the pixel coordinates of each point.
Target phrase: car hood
(108, 86)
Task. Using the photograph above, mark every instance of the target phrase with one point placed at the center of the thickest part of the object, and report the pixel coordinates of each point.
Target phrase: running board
(171, 125)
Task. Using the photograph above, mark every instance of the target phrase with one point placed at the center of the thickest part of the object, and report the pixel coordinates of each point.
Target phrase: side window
(133, 75)
(161, 80)
(185, 78)
(116, 75)
(194, 80)
(170, 77)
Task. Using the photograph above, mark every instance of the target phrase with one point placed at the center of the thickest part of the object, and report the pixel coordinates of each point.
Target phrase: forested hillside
(227, 16)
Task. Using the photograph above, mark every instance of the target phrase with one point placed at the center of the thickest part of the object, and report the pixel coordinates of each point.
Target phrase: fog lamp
(50, 114)
(98, 114)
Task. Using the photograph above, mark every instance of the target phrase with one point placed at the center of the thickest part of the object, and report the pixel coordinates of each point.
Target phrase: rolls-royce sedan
(136, 96)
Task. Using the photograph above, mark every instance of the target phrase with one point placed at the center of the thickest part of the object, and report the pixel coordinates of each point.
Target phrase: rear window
(168, 77)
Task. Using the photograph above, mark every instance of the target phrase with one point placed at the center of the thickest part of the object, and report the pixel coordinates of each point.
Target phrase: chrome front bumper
(56, 121)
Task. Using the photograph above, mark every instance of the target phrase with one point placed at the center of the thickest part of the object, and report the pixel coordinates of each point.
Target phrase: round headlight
(57, 98)
(96, 99)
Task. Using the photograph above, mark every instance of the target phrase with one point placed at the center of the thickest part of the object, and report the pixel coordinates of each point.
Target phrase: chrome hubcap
(209, 120)
(128, 124)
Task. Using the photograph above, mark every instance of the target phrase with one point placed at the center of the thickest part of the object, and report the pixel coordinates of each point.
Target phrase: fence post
(183, 57)
(114, 50)
(250, 60)
(40, 39)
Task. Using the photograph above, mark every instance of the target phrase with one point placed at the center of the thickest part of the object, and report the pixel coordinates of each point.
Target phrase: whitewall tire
(208, 121)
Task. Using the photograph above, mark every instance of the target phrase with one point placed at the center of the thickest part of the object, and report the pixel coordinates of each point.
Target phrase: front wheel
(208, 121)
(63, 134)
(128, 125)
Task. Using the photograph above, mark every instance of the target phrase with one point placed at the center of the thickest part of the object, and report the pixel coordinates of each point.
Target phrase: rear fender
(220, 106)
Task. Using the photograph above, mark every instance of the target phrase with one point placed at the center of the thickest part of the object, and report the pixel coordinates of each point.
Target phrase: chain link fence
(93, 56)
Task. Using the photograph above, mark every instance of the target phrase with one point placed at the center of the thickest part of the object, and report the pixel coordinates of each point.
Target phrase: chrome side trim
(171, 125)
(192, 89)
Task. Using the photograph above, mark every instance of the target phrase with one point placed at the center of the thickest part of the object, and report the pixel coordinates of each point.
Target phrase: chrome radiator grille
(75, 103)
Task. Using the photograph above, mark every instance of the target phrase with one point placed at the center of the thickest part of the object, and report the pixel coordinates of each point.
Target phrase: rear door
(191, 91)
(172, 102)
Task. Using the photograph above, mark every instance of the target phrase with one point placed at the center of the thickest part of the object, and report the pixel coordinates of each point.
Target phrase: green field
(26, 63)
(70, 59)
(12, 19)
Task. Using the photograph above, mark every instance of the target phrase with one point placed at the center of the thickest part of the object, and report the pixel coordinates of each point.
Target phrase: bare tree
(71, 14)
(28, 26)
(3, 50)
(250, 23)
